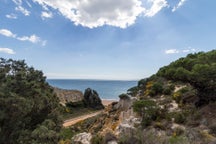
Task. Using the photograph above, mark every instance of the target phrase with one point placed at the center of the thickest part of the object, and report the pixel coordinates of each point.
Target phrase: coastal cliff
(66, 96)
(174, 106)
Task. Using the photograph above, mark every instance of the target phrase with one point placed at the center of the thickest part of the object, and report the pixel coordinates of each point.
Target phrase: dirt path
(73, 121)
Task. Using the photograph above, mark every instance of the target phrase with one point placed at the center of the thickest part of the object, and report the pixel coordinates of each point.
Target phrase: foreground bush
(28, 106)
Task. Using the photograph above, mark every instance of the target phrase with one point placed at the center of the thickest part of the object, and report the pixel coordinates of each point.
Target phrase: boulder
(92, 99)
(82, 138)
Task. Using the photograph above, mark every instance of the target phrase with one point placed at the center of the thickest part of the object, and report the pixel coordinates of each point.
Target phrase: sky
(104, 39)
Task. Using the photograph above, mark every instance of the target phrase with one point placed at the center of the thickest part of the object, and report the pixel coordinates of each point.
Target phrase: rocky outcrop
(82, 138)
(66, 96)
(92, 99)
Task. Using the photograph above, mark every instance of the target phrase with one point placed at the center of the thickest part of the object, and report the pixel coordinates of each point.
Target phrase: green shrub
(178, 140)
(157, 88)
(133, 91)
(74, 104)
(66, 133)
(124, 96)
(180, 118)
(97, 139)
(168, 89)
(148, 110)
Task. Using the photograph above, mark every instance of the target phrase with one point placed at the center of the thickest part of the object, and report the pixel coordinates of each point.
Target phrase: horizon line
(93, 79)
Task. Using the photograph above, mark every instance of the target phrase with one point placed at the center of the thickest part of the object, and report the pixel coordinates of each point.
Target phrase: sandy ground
(107, 102)
(73, 121)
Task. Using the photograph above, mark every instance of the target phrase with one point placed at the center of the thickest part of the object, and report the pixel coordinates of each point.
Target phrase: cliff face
(175, 122)
(117, 120)
(66, 96)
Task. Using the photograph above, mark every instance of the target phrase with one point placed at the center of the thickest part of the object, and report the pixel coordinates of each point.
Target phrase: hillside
(66, 96)
(174, 106)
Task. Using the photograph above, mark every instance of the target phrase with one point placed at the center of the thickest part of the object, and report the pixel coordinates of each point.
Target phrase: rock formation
(82, 138)
(92, 99)
(66, 96)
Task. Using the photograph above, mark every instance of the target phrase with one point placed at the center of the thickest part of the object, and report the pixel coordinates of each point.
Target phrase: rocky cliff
(117, 120)
(66, 96)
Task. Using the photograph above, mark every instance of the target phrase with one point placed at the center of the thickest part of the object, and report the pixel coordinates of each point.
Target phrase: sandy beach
(107, 102)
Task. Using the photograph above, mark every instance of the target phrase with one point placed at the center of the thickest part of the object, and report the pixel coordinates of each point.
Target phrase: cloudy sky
(104, 39)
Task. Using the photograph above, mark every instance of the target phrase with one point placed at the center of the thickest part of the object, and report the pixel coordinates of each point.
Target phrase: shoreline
(107, 102)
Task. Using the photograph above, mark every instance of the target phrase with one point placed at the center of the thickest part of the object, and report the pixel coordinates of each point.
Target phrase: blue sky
(104, 39)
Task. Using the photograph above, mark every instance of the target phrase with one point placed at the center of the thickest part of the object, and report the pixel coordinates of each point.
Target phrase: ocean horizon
(107, 89)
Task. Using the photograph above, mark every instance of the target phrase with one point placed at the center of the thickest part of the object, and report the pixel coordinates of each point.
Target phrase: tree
(197, 69)
(28, 105)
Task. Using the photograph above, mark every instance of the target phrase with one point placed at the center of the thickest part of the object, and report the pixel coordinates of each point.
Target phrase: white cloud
(181, 2)
(7, 33)
(22, 10)
(17, 2)
(28, 4)
(11, 16)
(94, 13)
(46, 15)
(171, 51)
(189, 50)
(186, 51)
(7, 50)
(33, 38)
(174, 51)
(156, 6)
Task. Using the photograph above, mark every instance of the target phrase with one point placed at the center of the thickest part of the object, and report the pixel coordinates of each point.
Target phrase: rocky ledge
(66, 96)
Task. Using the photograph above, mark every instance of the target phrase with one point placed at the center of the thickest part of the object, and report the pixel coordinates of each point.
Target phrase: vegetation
(28, 107)
(197, 69)
(124, 96)
(148, 110)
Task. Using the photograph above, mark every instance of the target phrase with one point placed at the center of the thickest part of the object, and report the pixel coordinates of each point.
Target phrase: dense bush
(28, 106)
(97, 139)
(197, 69)
(124, 96)
(148, 110)
(133, 91)
(168, 89)
(77, 104)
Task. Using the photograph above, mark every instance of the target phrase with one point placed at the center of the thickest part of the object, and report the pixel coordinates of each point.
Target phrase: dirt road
(73, 121)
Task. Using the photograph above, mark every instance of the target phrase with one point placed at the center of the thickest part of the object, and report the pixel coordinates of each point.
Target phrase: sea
(107, 89)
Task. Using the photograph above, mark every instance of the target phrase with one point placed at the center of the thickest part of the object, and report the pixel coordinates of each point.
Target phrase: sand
(73, 121)
(107, 102)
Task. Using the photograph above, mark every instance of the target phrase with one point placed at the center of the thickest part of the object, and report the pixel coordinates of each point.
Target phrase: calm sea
(107, 89)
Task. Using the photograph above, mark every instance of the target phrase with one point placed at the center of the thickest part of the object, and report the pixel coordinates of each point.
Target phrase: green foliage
(28, 106)
(178, 140)
(179, 118)
(142, 83)
(133, 91)
(197, 69)
(66, 133)
(124, 96)
(185, 95)
(97, 139)
(168, 89)
(157, 88)
(75, 104)
(147, 109)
